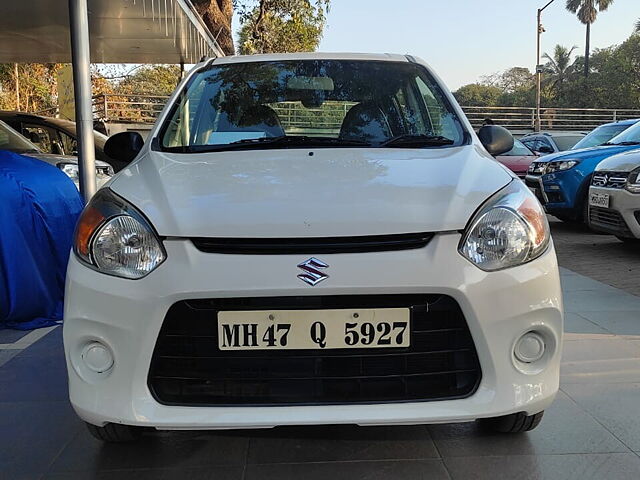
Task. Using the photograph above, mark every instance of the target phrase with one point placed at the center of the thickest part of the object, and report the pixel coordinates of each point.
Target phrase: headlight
(71, 169)
(510, 229)
(561, 165)
(112, 237)
(633, 182)
(537, 168)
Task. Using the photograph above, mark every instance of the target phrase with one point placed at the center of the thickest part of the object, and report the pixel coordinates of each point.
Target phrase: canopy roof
(121, 31)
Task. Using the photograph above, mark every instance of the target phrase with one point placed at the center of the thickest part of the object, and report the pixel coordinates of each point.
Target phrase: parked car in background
(602, 134)
(398, 274)
(561, 181)
(614, 197)
(518, 159)
(14, 142)
(54, 135)
(544, 143)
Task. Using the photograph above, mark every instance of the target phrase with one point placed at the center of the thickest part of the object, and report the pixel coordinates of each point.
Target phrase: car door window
(40, 136)
(69, 144)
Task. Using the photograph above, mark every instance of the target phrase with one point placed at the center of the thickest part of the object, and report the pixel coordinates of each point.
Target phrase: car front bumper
(622, 218)
(127, 315)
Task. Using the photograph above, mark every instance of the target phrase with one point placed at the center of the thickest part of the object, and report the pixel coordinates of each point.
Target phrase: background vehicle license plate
(313, 329)
(599, 199)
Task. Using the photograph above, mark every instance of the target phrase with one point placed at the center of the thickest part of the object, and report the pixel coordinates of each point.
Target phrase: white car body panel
(298, 195)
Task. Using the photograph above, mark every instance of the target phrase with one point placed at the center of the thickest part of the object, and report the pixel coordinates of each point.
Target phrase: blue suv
(561, 180)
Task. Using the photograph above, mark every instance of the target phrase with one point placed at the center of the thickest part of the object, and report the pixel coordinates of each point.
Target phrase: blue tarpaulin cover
(39, 207)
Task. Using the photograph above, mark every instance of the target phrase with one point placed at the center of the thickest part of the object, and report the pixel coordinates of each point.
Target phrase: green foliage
(614, 81)
(637, 27)
(272, 26)
(36, 86)
(150, 80)
(478, 95)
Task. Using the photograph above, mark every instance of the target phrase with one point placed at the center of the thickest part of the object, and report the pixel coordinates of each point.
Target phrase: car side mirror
(545, 149)
(124, 146)
(496, 140)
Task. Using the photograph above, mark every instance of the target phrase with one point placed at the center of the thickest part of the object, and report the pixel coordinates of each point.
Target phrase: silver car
(614, 197)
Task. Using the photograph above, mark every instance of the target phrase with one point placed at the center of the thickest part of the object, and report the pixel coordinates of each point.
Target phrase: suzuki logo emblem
(312, 274)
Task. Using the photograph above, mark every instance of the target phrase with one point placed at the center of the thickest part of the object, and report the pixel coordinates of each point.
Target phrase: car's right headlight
(510, 229)
(114, 238)
(561, 165)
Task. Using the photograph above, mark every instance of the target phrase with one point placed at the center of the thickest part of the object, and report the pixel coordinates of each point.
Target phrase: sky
(465, 39)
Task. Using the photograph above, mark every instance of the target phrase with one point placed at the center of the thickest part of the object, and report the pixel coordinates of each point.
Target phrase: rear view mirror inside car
(310, 83)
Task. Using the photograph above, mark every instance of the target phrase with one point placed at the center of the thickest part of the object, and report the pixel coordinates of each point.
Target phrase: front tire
(515, 423)
(115, 433)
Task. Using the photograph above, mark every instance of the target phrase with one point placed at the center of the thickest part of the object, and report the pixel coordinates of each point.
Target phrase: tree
(30, 87)
(477, 95)
(558, 67)
(587, 12)
(217, 15)
(281, 25)
(637, 29)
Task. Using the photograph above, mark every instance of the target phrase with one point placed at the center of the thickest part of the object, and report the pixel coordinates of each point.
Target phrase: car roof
(630, 121)
(554, 134)
(270, 57)
(60, 122)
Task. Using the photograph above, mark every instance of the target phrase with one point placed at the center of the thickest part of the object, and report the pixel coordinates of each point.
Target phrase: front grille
(188, 368)
(312, 245)
(609, 179)
(608, 220)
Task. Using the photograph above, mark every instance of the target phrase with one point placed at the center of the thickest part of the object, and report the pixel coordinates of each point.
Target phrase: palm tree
(587, 11)
(559, 66)
(637, 30)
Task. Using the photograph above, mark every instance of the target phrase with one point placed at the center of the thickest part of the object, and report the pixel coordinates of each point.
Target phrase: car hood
(585, 153)
(517, 163)
(54, 159)
(623, 162)
(303, 193)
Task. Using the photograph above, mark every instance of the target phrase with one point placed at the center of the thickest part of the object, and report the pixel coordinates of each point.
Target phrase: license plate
(599, 199)
(313, 329)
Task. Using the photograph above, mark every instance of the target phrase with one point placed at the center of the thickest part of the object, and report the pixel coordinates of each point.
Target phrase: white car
(614, 197)
(312, 239)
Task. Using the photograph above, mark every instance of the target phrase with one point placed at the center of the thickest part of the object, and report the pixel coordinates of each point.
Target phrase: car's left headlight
(561, 165)
(510, 229)
(114, 238)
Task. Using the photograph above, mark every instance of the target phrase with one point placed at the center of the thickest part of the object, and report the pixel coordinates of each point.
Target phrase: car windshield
(331, 103)
(600, 135)
(631, 136)
(518, 150)
(14, 142)
(566, 142)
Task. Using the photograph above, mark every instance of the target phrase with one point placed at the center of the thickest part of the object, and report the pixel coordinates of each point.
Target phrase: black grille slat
(312, 246)
(609, 220)
(188, 368)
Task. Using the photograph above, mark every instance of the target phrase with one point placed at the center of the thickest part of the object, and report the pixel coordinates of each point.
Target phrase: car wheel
(630, 241)
(115, 432)
(514, 423)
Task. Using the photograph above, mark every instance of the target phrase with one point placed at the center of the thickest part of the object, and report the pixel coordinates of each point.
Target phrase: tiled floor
(592, 431)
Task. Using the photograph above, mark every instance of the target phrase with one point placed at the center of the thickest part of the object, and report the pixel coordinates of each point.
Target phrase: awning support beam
(81, 64)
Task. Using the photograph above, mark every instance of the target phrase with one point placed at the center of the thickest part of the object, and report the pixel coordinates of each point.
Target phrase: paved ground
(592, 430)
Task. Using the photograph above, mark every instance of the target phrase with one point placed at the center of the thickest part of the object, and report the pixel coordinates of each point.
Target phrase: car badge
(312, 274)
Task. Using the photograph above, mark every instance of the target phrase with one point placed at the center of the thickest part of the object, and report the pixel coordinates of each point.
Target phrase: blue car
(561, 180)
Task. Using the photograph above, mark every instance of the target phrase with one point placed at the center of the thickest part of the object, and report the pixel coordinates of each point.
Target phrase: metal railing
(570, 119)
(118, 108)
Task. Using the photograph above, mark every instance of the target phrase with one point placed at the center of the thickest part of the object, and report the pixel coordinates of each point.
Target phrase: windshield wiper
(282, 141)
(409, 140)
